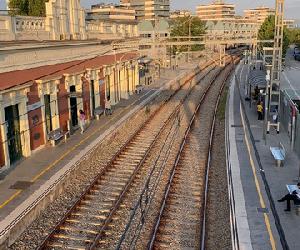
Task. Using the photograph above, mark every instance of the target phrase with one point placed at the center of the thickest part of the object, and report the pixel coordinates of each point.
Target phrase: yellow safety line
(261, 199)
(10, 199)
(35, 178)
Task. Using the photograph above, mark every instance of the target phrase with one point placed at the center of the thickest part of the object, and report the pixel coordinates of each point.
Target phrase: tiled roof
(19, 77)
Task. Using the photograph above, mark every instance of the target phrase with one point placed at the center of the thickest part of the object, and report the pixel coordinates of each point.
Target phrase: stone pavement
(45, 163)
(255, 173)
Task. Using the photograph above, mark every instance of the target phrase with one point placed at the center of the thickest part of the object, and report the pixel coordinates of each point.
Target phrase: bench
(55, 135)
(98, 112)
(139, 89)
(278, 153)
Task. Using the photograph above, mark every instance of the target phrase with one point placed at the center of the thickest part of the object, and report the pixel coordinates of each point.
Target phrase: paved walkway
(42, 165)
(254, 174)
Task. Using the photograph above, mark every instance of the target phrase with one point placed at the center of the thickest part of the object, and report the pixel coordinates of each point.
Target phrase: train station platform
(23, 183)
(257, 183)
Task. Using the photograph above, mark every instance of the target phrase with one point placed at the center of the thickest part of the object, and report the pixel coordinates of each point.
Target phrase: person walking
(260, 109)
(81, 120)
(108, 110)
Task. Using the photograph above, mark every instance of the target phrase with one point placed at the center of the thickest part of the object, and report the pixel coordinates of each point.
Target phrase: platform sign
(34, 106)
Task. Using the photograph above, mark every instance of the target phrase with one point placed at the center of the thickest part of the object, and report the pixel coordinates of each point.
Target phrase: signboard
(34, 106)
(75, 95)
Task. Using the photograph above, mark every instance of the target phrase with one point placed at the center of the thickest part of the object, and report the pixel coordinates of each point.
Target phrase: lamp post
(268, 78)
(190, 34)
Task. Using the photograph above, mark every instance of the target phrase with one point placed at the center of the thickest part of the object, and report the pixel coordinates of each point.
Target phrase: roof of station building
(19, 77)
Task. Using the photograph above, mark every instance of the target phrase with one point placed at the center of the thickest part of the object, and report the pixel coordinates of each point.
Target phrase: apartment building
(110, 12)
(149, 9)
(259, 14)
(111, 21)
(289, 23)
(217, 11)
(180, 13)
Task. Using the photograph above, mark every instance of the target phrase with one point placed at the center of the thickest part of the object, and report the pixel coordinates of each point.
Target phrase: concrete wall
(7, 28)
(63, 105)
(86, 97)
(64, 20)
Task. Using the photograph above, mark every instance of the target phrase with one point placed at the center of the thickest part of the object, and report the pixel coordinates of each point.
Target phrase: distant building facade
(149, 9)
(259, 14)
(180, 13)
(155, 31)
(290, 23)
(110, 21)
(110, 12)
(217, 11)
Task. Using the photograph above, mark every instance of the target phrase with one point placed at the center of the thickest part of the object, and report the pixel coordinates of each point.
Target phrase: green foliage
(182, 26)
(267, 30)
(294, 36)
(27, 7)
(37, 8)
(19, 7)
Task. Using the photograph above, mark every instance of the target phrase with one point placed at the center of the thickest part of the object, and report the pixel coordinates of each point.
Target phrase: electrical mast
(274, 87)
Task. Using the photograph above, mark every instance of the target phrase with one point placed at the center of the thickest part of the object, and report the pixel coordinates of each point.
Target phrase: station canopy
(257, 77)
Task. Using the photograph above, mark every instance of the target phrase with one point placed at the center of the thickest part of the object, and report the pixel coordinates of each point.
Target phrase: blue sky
(292, 7)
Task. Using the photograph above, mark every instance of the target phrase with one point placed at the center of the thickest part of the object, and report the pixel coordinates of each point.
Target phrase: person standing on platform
(81, 120)
(260, 110)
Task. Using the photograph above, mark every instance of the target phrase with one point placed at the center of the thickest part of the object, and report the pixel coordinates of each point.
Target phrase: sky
(292, 7)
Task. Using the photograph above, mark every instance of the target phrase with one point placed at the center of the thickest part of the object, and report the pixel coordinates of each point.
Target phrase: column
(4, 135)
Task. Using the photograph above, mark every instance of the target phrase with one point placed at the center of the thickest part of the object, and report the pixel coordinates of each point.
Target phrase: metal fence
(285, 112)
(297, 135)
(290, 118)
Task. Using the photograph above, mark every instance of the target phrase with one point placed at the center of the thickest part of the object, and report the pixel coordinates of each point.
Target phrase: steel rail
(173, 115)
(209, 157)
(183, 143)
(145, 186)
(99, 175)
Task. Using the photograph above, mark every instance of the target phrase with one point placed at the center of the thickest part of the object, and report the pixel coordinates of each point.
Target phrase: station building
(36, 101)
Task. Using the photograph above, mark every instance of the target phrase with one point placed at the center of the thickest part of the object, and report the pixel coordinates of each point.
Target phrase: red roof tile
(19, 77)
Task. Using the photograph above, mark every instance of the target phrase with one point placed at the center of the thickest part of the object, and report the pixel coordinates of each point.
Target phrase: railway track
(129, 225)
(181, 221)
(85, 223)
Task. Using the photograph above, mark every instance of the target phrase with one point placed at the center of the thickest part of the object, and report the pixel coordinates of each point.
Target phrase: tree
(37, 8)
(180, 27)
(19, 7)
(267, 31)
(27, 7)
(294, 36)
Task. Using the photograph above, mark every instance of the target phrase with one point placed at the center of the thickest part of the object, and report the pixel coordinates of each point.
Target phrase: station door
(12, 120)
